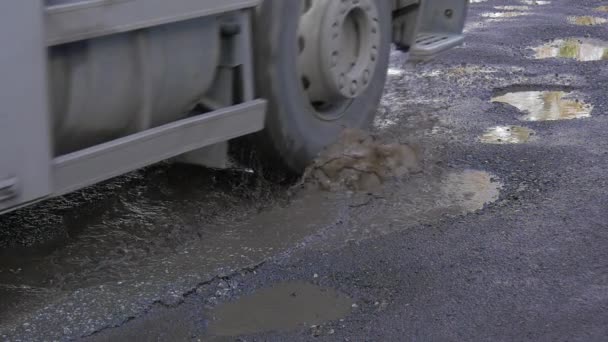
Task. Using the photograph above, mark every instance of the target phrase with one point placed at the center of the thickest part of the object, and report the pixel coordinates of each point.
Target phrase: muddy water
(507, 135)
(111, 247)
(546, 105)
(583, 50)
(359, 162)
(164, 229)
(423, 199)
(283, 307)
(587, 20)
(104, 238)
(470, 190)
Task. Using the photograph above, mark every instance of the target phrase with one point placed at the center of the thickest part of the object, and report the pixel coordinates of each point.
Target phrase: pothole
(535, 2)
(602, 8)
(395, 72)
(284, 307)
(512, 8)
(423, 200)
(461, 71)
(470, 190)
(587, 20)
(546, 105)
(583, 50)
(358, 162)
(507, 135)
(500, 15)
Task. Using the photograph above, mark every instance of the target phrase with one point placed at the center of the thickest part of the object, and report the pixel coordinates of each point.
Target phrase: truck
(92, 89)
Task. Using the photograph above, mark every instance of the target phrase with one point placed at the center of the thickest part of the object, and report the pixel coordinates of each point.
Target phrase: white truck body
(92, 89)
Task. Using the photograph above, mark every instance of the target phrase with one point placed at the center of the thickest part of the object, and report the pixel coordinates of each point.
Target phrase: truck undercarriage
(94, 89)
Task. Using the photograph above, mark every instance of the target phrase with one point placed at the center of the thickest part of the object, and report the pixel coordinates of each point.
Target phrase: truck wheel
(321, 64)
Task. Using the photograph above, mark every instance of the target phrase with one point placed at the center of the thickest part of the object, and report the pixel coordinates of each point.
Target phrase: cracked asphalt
(495, 242)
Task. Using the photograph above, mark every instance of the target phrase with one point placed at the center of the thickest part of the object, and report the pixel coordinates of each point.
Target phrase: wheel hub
(338, 48)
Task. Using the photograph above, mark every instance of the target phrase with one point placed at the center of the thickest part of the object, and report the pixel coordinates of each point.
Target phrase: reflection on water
(420, 200)
(503, 14)
(176, 220)
(602, 9)
(546, 105)
(512, 8)
(395, 72)
(587, 20)
(470, 189)
(580, 49)
(535, 2)
(284, 307)
(507, 135)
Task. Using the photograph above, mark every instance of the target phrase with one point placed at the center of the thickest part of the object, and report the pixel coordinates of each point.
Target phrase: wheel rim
(338, 43)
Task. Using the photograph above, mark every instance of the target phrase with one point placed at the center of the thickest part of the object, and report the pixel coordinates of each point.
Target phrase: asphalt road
(491, 242)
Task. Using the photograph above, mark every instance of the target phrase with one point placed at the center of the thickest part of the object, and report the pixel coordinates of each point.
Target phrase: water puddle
(395, 72)
(471, 190)
(587, 20)
(500, 15)
(284, 307)
(546, 105)
(176, 221)
(421, 200)
(512, 8)
(535, 2)
(583, 50)
(477, 1)
(470, 75)
(460, 71)
(507, 135)
(602, 8)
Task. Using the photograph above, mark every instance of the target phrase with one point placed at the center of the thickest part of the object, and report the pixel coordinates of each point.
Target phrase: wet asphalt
(493, 241)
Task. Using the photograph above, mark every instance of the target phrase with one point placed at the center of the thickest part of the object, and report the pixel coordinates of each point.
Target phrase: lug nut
(342, 82)
(334, 59)
(354, 87)
(366, 75)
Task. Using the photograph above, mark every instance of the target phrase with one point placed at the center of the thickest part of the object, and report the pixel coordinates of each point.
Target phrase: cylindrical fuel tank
(105, 88)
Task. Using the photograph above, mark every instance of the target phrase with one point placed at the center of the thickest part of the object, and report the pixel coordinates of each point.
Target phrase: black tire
(294, 134)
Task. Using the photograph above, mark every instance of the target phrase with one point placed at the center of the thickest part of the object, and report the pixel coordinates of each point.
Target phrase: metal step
(429, 45)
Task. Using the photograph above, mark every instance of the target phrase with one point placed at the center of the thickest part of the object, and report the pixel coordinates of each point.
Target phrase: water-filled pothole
(535, 2)
(471, 190)
(395, 72)
(546, 105)
(284, 307)
(507, 135)
(581, 49)
(512, 8)
(602, 8)
(587, 20)
(500, 15)
(424, 199)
